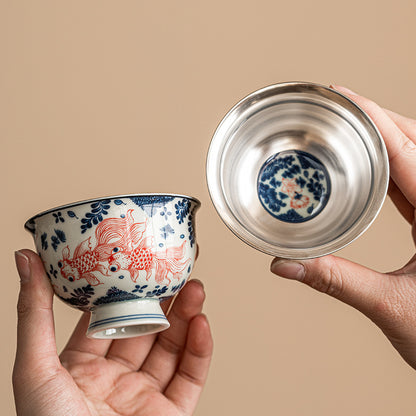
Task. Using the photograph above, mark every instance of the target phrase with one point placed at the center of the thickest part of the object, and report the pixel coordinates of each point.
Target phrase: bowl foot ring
(127, 319)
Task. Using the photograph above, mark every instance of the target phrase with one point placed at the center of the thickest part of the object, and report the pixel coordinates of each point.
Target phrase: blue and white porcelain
(297, 170)
(293, 186)
(119, 257)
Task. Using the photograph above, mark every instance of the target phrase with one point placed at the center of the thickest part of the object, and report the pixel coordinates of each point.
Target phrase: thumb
(349, 282)
(35, 325)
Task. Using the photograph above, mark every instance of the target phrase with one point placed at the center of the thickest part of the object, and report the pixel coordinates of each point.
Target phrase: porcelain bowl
(119, 257)
(297, 170)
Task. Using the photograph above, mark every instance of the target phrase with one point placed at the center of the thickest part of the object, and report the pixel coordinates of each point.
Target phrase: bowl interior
(343, 147)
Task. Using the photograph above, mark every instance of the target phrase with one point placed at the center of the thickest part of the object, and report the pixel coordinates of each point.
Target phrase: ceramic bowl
(297, 170)
(119, 257)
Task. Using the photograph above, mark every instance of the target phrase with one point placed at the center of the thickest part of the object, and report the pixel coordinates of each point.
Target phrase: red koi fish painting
(128, 250)
(120, 243)
(294, 191)
(84, 261)
(87, 259)
(143, 258)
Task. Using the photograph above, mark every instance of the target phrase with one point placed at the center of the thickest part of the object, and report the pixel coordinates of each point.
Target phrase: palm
(111, 388)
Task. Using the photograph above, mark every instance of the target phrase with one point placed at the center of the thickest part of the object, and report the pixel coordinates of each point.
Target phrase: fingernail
(198, 281)
(23, 266)
(343, 89)
(288, 269)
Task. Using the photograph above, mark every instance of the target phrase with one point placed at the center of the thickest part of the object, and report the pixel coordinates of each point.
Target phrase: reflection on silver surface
(313, 119)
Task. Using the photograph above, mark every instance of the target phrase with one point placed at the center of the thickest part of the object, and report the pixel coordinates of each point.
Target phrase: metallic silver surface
(315, 119)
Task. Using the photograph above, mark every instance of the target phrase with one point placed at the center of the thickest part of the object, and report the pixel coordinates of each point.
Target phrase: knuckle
(328, 281)
(412, 125)
(389, 312)
(407, 147)
(23, 308)
(393, 306)
(26, 307)
(17, 376)
(367, 105)
(169, 345)
(190, 377)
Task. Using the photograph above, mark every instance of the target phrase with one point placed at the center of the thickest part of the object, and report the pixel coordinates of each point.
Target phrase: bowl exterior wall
(117, 249)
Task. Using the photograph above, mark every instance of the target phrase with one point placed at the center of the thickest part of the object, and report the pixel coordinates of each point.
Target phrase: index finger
(405, 124)
(401, 150)
(36, 345)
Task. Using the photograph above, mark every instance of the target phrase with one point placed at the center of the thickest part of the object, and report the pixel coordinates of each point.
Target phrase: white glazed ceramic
(119, 257)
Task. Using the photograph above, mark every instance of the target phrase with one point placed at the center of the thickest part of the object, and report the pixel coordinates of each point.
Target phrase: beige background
(104, 97)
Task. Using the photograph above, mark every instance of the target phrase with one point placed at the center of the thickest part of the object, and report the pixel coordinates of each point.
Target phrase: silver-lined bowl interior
(309, 118)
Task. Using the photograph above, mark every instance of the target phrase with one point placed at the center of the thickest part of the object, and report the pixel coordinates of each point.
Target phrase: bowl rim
(103, 198)
(225, 212)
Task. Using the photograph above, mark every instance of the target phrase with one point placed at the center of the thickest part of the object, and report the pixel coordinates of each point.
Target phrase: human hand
(389, 299)
(161, 374)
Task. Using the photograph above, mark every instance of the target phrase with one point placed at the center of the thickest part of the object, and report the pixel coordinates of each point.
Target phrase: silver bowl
(297, 170)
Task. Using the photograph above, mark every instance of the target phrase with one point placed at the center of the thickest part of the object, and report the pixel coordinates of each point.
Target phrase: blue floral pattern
(58, 238)
(139, 289)
(80, 297)
(58, 217)
(115, 294)
(53, 272)
(165, 213)
(157, 291)
(191, 229)
(178, 287)
(98, 210)
(293, 186)
(182, 210)
(44, 241)
(166, 231)
(150, 204)
(71, 214)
